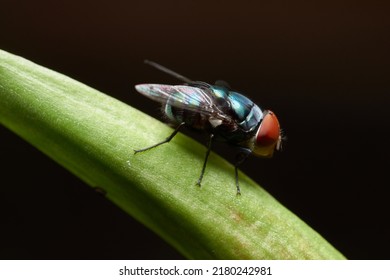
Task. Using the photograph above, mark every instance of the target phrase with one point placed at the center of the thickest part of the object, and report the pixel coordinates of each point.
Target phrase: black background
(322, 67)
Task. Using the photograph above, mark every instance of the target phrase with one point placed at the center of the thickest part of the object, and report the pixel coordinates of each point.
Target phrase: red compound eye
(267, 136)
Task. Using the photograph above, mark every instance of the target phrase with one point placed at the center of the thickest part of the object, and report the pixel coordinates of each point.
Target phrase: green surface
(93, 136)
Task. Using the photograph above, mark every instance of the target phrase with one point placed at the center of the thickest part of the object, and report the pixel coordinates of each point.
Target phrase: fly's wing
(185, 97)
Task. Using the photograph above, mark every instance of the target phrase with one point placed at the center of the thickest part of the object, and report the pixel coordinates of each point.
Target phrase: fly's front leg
(205, 160)
(162, 142)
(240, 158)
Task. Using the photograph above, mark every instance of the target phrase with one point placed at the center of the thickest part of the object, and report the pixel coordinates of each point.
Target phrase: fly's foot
(144, 149)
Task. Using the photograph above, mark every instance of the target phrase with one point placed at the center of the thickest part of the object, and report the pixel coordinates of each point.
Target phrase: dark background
(322, 67)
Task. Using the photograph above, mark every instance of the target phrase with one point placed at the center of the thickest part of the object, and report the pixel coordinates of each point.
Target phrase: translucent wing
(186, 97)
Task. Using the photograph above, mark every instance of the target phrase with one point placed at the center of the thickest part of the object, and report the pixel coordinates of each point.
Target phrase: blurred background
(321, 66)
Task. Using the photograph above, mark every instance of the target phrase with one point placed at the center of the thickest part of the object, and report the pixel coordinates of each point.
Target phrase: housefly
(224, 114)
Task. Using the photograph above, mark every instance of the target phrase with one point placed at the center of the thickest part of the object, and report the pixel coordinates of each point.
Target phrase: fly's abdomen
(179, 115)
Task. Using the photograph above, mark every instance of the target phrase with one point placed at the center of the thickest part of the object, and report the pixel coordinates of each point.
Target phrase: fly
(224, 114)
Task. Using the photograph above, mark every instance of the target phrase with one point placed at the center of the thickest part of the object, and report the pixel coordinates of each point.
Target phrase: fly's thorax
(247, 113)
(247, 117)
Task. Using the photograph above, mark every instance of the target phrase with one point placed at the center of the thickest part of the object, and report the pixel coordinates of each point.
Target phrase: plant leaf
(93, 135)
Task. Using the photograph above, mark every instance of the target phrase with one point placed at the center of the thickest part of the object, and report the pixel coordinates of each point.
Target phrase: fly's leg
(162, 142)
(240, 158)
(205, 160)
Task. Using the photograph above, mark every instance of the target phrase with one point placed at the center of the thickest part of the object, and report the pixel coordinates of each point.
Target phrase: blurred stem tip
(93, 135)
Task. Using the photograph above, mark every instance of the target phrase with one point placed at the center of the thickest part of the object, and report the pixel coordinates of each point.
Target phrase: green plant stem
(93, 135)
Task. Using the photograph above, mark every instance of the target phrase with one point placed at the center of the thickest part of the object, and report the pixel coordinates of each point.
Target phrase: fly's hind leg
(162, 142)
(205, 160)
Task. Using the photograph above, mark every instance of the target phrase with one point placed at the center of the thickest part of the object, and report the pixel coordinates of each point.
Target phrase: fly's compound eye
(268, 136)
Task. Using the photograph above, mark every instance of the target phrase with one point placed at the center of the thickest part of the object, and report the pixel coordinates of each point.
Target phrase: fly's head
(268, 137)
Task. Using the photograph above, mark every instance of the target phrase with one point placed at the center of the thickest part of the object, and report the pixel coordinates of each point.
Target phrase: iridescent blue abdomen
(178, 114)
